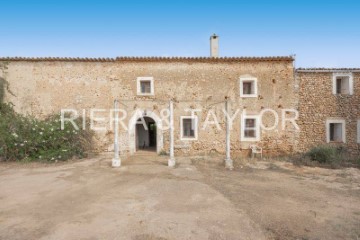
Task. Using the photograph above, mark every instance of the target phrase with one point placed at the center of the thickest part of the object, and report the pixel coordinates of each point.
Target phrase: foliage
(324, 156)
(26, 138)
(3, 83)
(163, 152)
(2, 89)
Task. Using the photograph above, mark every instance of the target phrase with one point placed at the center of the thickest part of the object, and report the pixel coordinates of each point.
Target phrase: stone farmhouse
(323, 103)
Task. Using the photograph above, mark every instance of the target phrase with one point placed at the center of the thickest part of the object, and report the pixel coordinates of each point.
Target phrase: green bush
(323, 154)
(30, 139)
(163, 153)
(330, 156)
(2, 89)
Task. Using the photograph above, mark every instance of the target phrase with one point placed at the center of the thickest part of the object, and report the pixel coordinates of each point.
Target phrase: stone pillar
(228, 161)
(116, 162)
(171, 162)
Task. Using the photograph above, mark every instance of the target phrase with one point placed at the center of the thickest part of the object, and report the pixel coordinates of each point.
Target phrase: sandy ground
(145, 199)
(290, 202)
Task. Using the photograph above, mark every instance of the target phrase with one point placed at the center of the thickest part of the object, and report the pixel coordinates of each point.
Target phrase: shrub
(163, 152)
(303, 159)
(29, 139)
(323, 154)
(330, 156)
(357, 162)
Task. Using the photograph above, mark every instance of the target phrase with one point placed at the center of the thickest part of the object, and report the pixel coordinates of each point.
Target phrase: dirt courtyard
(198, 199)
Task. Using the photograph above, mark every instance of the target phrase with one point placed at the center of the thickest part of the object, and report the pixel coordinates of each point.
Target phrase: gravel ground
(290, 202)
(144, 199)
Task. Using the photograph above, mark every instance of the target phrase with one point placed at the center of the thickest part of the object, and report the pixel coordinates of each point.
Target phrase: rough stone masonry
(145, 85)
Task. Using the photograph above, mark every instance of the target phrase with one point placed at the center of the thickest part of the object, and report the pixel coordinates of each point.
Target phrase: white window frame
(248, 79)
(139, 80)
(351, 82)
(358, 131)
(343, 122)
(257, 128)
(182, 137)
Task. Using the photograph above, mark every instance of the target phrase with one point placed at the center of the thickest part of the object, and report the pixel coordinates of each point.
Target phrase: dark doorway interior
(146, 138)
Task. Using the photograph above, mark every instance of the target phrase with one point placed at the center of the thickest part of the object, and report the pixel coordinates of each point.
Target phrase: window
(250, 128)
(343, 83)
(188, 128)
(248, 87)
(335, 131)
(145, 86)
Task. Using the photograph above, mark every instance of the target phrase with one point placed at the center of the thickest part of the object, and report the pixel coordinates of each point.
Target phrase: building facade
(329, 107)
(271, 104)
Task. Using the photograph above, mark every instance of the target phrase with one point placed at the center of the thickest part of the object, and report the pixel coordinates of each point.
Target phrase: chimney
(214, 45)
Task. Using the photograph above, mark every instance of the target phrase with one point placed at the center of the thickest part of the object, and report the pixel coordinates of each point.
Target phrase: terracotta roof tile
(150, 59)
(328, 69)
(53, 59)
(207, 59)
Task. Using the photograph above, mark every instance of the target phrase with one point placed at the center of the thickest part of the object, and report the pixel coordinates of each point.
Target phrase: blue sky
(320, 33)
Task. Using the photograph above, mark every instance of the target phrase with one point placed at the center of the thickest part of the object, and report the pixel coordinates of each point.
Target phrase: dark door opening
(146, 138)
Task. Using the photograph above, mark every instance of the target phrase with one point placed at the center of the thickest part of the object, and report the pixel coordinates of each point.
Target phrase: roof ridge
(323, 68)
(326, 69)
(86, 59)
(150, 58)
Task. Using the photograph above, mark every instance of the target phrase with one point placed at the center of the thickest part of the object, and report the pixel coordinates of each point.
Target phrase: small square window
(342, 84)
(250, 128)
(145, 86)
(335, 131)
(248, 87)
(188, 128)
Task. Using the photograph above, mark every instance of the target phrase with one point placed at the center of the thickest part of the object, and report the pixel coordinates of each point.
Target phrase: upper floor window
(145, 86)
(343, 83)
(248, 87)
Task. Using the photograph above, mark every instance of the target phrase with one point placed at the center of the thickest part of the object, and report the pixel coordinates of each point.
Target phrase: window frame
(184, 138)
(256, 128)
(343, 129)
(147, 79)
(341, 75)
(255, 84)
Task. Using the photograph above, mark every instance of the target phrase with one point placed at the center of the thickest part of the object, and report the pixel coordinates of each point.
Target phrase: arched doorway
(145, 134)
(133, 140)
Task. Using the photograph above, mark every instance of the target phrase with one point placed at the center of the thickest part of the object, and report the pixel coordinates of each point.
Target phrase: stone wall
(317, 103)
(45, 87)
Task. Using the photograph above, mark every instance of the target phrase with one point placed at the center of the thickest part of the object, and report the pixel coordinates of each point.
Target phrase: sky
(320, 33)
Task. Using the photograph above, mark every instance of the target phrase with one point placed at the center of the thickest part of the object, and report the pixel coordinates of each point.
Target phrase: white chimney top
(214, 45)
